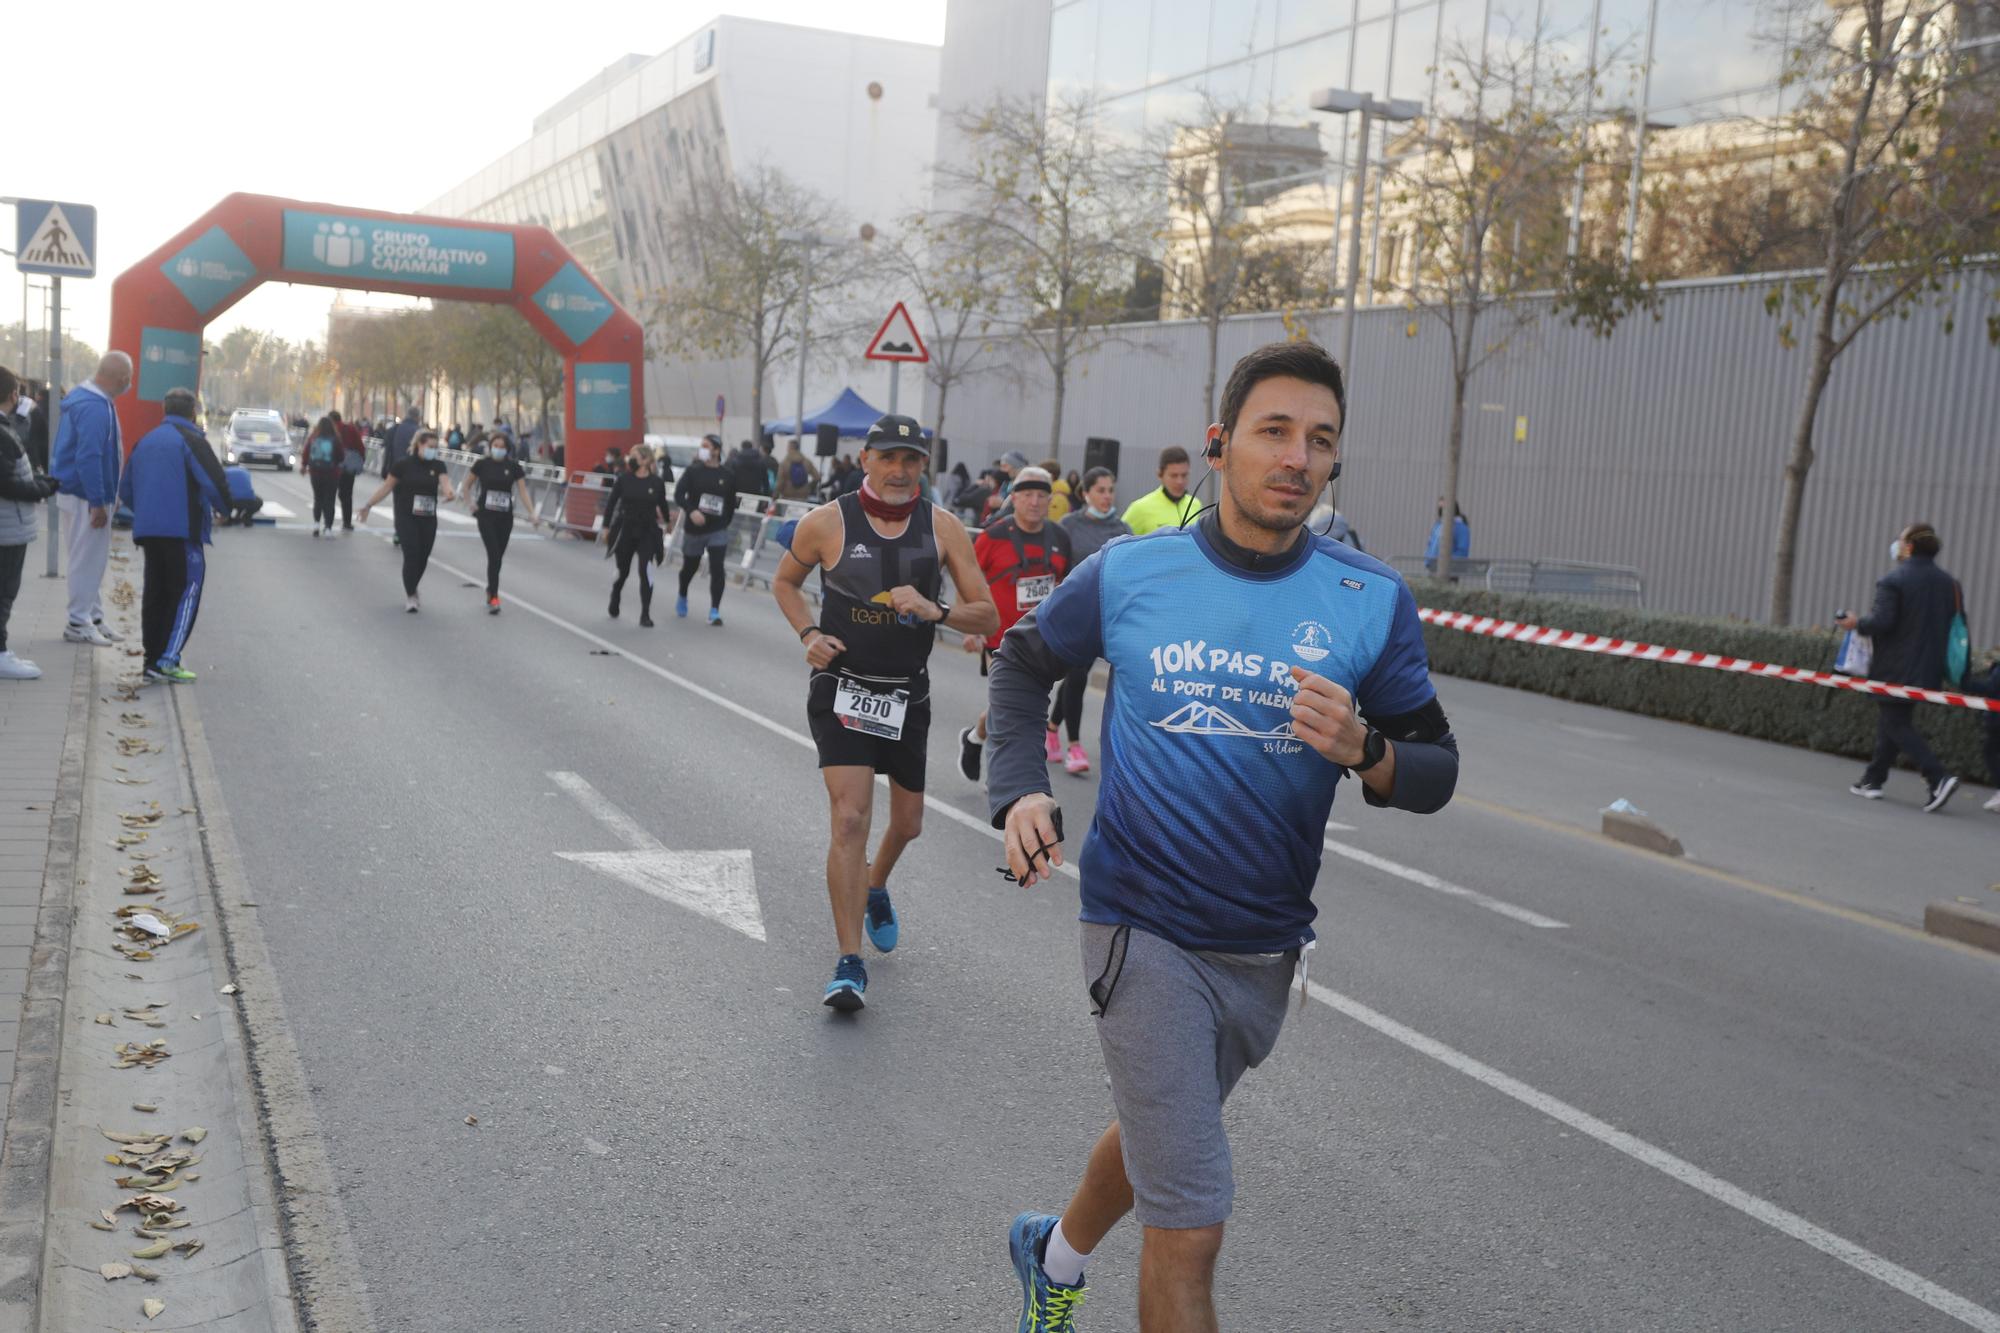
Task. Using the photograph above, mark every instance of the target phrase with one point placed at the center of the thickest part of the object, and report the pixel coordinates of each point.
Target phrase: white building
(853, 118)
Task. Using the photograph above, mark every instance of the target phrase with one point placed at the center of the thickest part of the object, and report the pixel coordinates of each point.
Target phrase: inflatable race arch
(160, 305)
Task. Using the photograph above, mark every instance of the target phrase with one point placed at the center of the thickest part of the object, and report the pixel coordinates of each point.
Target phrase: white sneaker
(1993, 805)
(85, 634)
(18, 668)
(107, 631)
(410, 604)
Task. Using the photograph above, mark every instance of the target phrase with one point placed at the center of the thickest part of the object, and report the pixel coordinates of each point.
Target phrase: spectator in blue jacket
(85, 466)
(172, 484)
(1461, 536)
(244, 502)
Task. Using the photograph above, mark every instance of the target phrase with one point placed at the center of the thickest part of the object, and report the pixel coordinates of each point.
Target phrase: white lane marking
(1429, 881)
(1787, 1223)
(720, 885)
(1687, 1173)
(604, 812)
(1335, 826)
(272, 509)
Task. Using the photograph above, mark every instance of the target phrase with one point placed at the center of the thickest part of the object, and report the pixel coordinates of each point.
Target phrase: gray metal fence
(1660, 449)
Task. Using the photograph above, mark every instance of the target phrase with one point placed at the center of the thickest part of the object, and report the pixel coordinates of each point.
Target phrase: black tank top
(854, 605)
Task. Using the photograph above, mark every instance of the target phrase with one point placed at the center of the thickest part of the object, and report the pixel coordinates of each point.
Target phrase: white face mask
(499, 451)
(428, 454)
(1095, 512)
(1895, 550)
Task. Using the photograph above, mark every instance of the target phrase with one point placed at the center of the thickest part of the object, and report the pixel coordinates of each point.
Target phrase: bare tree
(741, 272)
(1213, 172)
(1900, 118)
(1046, 197)
(955, 278)
(1478, 196)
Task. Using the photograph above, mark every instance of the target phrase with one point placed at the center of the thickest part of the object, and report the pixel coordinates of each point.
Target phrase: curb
(28, 1150)
(300, 1215)
(1968, 925)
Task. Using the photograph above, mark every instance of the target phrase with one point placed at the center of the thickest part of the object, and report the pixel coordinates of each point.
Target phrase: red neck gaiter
(877, 507)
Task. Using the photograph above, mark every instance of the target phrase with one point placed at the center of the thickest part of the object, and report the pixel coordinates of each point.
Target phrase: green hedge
(1835, 721)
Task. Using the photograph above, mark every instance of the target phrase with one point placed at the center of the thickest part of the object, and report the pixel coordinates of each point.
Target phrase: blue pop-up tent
(849, 412)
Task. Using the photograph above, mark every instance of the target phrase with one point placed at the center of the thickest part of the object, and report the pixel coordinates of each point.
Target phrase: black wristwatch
(944, 611)
(1373, 747)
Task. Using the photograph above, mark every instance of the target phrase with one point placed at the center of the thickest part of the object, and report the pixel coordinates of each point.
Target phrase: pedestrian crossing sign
(55, 238)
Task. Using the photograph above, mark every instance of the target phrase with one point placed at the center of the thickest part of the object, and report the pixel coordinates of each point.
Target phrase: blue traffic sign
(55, 238)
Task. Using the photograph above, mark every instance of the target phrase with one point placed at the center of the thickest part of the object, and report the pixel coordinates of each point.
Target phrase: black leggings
(419, 535)
(325, 485)
(623, 553)
(495, 530)
(1068, 708)
(347, 498)
(716, 556)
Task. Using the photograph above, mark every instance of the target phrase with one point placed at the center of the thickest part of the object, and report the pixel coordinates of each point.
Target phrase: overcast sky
(168, 108)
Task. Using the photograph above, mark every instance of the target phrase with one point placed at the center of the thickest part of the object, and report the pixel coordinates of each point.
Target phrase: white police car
(259, 435)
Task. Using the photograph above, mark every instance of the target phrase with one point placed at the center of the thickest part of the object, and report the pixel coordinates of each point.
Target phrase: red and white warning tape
(1652, 652)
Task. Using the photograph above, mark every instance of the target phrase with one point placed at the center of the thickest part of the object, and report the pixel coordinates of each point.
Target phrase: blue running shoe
(715, 615)
(1046, 1307)
(681, 607)
(849, 984)
(883, 928)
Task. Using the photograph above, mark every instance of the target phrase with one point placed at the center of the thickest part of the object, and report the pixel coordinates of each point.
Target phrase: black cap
(892, 431)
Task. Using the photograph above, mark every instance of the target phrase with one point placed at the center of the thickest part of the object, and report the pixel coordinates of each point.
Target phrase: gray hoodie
(19, 524)
(1087, 535)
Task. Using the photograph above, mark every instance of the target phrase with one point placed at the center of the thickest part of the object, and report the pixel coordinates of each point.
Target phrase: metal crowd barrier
(1610, 585)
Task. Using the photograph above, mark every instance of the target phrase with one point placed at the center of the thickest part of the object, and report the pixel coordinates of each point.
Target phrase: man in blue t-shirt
(1253, 666)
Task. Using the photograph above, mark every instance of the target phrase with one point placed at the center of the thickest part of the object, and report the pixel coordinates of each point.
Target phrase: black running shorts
(901, 760)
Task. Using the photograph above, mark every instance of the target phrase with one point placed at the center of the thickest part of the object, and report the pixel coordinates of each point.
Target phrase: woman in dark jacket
(22, 491)
(633, 514)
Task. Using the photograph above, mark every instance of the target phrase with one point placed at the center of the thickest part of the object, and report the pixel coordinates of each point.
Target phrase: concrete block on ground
(1965, 923)
(1641, 831)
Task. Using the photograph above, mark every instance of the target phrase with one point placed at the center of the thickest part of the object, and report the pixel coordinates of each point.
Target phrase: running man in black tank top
(883, 552)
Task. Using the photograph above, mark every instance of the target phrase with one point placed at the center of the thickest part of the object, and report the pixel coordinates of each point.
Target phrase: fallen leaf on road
(105, 1213)
(147, 1107)
(106, 1020)
(157, 1250)
(472, 1120)
(188, 1249)
(154, 1309)
(120, 1136)
(112, 1272)
(101, 1225)
(144, 1274)
(194, 1135)
(134, 720)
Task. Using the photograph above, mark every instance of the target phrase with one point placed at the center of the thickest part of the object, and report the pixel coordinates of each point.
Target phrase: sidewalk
(42, 732)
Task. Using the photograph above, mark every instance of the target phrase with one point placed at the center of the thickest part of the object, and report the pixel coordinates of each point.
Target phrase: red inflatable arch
(160, 305)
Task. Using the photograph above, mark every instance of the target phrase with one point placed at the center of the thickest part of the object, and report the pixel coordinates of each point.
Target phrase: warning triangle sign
(55, 247)
(897, 339)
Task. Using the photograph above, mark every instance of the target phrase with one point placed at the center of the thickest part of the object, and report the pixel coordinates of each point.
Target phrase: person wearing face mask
(706, 497)
(497, 483)
(1089, 528)
(1023, 557)
(633, 513)
(1911, 625)
(418, 482)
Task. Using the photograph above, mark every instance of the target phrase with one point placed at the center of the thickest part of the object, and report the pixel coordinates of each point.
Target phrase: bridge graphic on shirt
(1200, 719)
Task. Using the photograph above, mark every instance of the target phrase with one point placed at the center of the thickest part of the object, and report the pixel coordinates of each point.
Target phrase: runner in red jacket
(1024, 557)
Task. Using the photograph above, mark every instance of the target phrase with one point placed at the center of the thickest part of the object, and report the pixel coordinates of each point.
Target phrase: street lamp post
(807, 240)
(1341, 102)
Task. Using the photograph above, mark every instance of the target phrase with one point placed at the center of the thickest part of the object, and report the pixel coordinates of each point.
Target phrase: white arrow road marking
(721, 886)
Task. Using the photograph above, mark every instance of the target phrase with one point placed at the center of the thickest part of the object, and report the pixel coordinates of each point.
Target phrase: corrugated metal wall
(1661, 447)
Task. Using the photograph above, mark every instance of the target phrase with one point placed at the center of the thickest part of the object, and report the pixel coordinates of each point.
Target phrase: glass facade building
(1152, 65)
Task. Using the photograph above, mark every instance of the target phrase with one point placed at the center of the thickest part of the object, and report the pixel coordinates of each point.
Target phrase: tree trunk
(1208, 385)
(944, 392)
(1454, 449)
(757, 400)
(1791, 508)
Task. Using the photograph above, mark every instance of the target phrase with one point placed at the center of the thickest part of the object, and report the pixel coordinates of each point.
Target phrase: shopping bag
(1856, 655)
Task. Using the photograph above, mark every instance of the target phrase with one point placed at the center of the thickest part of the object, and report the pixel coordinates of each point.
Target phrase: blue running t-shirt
(1211, 815)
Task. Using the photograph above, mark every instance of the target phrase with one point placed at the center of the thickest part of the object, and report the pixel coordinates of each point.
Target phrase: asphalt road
(674, 1134)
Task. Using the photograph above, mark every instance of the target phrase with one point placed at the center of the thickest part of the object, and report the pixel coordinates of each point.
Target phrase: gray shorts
(696, 540)
(1178, 1030)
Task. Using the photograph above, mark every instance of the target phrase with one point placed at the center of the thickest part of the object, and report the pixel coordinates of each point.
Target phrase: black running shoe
(1940, 794)
(968, 755)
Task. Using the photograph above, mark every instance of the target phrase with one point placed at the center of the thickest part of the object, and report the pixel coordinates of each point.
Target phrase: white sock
(1063, 1264)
